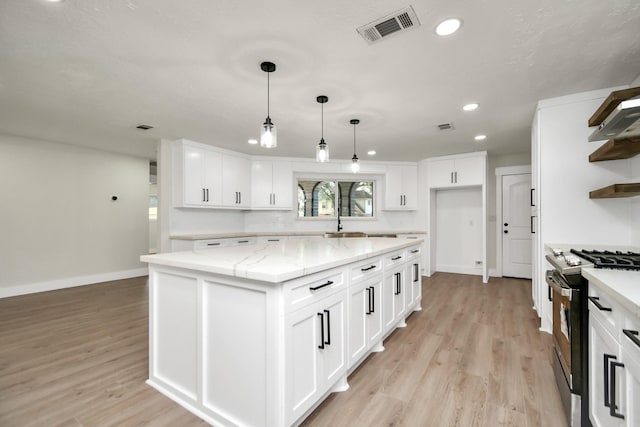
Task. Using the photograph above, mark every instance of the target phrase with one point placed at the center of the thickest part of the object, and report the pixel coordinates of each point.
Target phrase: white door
(516, 226)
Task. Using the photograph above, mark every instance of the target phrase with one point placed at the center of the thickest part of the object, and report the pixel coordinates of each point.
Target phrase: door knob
(506, 231)
(506, 224)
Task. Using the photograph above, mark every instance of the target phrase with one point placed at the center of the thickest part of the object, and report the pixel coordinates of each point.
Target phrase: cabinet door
(400, 295)
(603, 350)
(236, 181)
(631, 359)
(261, 184)
(302, 381)
(213, 178)
(410, 187)
(282, 185)
(413, 280)
(333, 356)
(469, 171)
(388, 297)
(441, 173)
(374, 318)
(393, 188)
(193, 179)
(358, 313)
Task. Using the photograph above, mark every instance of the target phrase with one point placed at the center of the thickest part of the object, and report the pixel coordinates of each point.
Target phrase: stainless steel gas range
(568, 292)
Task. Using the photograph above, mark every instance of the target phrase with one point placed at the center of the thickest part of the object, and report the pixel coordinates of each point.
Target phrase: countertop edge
(208, 236)
(594, 275)
(233, 271)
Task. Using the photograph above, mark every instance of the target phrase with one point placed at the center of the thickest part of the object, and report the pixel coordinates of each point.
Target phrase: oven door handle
(565, 292)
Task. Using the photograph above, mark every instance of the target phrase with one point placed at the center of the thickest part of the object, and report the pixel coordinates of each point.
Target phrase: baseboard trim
(460, 269)
(70, 282)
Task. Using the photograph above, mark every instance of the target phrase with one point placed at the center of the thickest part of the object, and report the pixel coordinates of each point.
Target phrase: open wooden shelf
(616, 149)
(610, 104)
(616, 191)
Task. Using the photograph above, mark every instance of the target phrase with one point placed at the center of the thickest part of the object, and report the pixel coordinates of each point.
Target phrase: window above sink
(319, 198)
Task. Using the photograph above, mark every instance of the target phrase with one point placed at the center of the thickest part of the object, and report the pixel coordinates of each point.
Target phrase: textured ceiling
(88, 71)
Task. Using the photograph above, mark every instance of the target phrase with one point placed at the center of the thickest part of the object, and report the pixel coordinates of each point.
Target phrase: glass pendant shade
(322, 149)
(355, 165)
(322, 152)
(268, 134)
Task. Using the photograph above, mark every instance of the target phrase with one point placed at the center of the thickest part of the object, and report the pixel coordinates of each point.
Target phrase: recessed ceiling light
(470, 107)
(448, 27)
(253, 141)
(371, 152)
(480, 137)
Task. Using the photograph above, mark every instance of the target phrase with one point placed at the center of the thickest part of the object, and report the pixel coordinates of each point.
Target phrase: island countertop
(276, 262)
(370, 233)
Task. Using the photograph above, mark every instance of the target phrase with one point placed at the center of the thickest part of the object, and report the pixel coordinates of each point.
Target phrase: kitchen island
(259, 335)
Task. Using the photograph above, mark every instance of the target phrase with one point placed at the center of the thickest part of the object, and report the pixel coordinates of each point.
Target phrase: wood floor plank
(473, 356)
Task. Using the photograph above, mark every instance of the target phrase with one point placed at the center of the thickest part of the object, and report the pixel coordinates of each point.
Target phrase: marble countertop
(280, 261)
(372, 233)
(622, 285)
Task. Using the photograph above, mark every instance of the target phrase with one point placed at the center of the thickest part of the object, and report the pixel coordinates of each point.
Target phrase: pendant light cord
(322, 121)
(268, 94)
(354, 139)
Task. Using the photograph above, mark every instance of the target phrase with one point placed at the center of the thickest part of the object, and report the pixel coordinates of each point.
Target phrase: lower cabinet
(614, 363)
(365, 318)
(314, 353)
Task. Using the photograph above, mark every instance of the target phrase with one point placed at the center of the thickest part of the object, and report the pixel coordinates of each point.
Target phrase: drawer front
(393, 259)
(209, 244)
(414, 252)
(301, 292)
(606, 310)
(365, 270)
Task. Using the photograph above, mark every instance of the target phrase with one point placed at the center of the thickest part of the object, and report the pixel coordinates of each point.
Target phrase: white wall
(60, 227)
(459, 230)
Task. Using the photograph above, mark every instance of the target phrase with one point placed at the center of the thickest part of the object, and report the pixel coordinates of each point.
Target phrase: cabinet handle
(328, 341)
(243, 241)
(532, 230)
(596, 302)
(368, 301)
(455, 174)
(213, 244)
(415, 271)
(207, 194)
(451, 179)
(368, 268)
(321, 346)
(273, 240)
(396, 258)
(549, 297)
(532, 202)
(632, 335)
(397, 276)
(315, 288)
(204, 198)
(373, 300)
(415, 251)
(240, 197)
(613, 407)
(606, 357)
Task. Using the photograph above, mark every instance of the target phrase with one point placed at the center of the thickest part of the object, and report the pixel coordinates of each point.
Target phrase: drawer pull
(368, 268)
(315, 288)
(243, 241)
(596, 302)
(632, 335)
(396, 258)
(213, 244)
(415, 251)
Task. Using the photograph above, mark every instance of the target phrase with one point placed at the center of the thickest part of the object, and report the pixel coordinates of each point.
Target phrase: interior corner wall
(635, 206)
(493, 162)
(60, 226)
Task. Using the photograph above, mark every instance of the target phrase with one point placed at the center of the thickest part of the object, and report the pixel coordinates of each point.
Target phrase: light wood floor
(473, 356)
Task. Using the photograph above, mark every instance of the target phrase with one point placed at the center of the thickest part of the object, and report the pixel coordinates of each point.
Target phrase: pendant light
(355, 165)
(322, 150)
(268, 132)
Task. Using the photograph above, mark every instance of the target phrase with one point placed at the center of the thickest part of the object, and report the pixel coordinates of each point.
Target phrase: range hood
(623, 122)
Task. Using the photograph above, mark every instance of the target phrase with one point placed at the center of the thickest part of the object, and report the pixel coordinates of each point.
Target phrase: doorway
(513, 239)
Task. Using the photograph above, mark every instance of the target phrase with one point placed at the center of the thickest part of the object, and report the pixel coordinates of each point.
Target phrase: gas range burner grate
(607, 259)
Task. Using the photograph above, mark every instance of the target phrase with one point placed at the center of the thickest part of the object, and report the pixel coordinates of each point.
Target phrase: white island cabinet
(259, 335)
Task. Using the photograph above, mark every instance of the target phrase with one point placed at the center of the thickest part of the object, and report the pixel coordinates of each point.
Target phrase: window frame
(336, 179)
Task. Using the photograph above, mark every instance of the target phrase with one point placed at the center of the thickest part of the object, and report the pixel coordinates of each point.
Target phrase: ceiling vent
(144, 127)
(445, 126)
(400, 21)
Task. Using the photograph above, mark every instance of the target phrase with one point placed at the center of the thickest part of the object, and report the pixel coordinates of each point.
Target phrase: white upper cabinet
(197, 175)
(272, 183)
(401, 187)
(205, 177)
(236, 181)
(457, 171)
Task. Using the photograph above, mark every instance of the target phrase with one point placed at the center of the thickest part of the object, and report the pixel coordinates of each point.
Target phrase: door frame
(500, 172)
